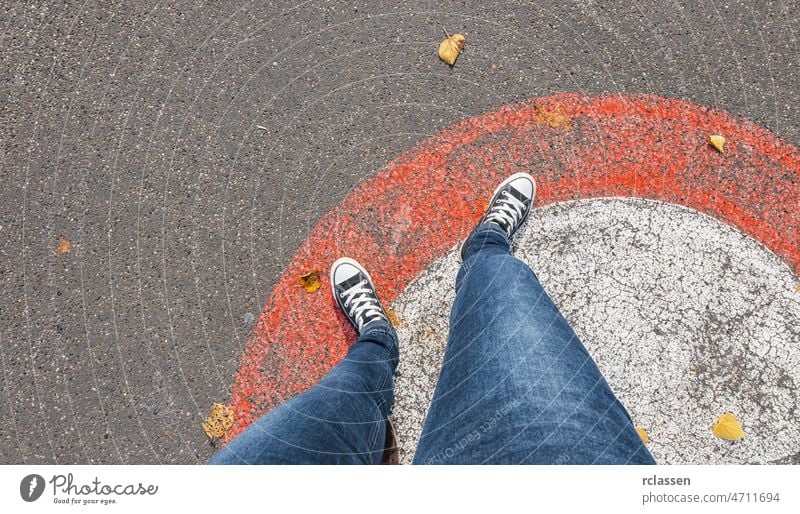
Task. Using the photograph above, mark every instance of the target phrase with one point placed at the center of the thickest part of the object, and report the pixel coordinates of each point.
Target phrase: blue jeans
(517, 387)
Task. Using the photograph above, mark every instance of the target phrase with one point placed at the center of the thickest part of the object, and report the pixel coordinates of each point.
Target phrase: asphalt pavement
(185, 150)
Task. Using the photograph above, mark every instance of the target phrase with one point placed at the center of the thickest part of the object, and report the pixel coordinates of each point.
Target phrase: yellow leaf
(395, 319)
(728, 427)
(643, 434)
(310, 281)
(555, 118)
(219, 421)
(64, 246)
(717, 142)
(451, 47)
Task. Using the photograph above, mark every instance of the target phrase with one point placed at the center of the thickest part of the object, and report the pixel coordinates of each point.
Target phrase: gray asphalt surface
(130, 128)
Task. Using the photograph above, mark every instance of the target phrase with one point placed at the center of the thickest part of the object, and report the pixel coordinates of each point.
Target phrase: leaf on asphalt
(395, 319)
(219, 421)
(717, 142)
(643, 434)
(64, 246)
(310, 281)
(554, 118)
(728, 428)
(451, 47)
(479, 207)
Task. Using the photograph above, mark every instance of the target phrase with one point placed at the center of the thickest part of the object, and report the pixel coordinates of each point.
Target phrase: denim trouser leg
(517, 385)
(341, 420)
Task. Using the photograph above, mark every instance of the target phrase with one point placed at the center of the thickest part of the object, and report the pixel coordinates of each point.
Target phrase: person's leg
(517, 385)
(343, 419)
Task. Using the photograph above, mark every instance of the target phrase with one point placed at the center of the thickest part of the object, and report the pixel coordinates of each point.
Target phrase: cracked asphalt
(186, 149)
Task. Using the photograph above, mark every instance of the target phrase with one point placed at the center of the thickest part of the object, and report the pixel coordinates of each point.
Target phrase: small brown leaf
(554, 118)
(64, 246)
(451, 47)
(727, 427)
(219, 421)
(643, 435)
(797, 288)
(310, 281)
(717, 142)
(395, 319)
(480, 207)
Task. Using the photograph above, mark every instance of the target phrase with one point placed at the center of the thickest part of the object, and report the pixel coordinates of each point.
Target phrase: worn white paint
(686, 317)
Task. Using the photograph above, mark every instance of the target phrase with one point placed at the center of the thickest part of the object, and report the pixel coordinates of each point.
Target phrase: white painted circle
(686, 317)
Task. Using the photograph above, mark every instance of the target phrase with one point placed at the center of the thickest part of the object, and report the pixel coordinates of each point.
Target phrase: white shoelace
(506, 212)
(364, 306)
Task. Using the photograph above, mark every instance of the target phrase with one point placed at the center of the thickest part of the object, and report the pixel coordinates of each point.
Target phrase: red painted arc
(413, 211)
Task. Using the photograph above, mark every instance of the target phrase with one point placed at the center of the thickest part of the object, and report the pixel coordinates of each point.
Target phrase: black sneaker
(354, 293)
(511, 203)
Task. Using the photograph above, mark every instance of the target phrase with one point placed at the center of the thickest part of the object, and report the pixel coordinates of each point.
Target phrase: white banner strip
(382, 489)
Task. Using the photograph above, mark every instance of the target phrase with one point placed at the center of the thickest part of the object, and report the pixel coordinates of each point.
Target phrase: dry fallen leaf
(451, 47)
(717, 142)
(219, 421)
(643, 434)
(728, 427)
(480, 207)
(555, 118)
(310, 281)
(64, 246)
(395, 319)
(797, 288)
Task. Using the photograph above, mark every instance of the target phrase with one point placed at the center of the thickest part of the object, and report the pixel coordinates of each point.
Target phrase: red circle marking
(412, 212)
